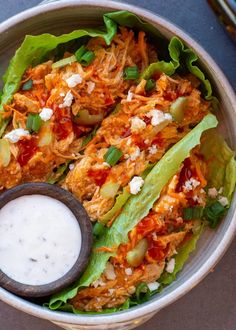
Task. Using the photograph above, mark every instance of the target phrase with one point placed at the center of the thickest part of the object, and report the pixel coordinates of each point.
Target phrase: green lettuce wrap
(36, 49)
(136, 208)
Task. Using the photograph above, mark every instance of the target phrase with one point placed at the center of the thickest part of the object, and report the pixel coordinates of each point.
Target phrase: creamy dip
(40, 239)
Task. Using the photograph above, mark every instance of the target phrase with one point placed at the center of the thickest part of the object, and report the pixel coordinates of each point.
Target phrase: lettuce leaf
(221, 163)
(181, 58)
(34, 50)
(180, 258)
(136, 208)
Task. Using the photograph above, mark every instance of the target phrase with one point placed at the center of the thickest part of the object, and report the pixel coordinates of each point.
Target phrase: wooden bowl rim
(84, 222)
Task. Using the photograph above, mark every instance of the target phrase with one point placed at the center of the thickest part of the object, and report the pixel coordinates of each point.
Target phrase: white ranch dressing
(40, 239)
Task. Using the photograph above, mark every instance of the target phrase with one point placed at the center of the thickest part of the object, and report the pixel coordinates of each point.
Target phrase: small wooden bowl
(86, 234)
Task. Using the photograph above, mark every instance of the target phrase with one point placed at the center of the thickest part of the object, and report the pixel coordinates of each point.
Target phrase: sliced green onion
(213, 213)
(131, 73)
(191, 213)
(34, 122)
(113, 155)
(80, 52)
(150, 84)
(64, 62)
(98, 229)
(27, 85)
(87, 58)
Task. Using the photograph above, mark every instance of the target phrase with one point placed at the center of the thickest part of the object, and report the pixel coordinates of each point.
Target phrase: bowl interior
(67, 18)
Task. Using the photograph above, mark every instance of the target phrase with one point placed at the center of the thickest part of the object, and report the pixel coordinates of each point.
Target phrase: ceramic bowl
(63, 16)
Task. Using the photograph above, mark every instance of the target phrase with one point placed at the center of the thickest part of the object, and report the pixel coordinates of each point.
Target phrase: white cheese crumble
(170, 266)
(68, 99)
(106, 164)
(136, 184)
(191, 184)
(74, 80)
(129, 96)
(71, 167)
(91, 86)
(153, 286)
(137, 124)
(158, 117)
(128, 271)
(46, 114)
(109, 271)
(15, 135)
(223, 200)
(135, 154)
(212, 192)
(97, 283)
(153, 149)
(62, 94)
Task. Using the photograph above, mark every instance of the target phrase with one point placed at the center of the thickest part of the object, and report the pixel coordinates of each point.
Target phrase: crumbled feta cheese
(129, 96)
(223, 200)
(158, 117)
(15, 135)
(46, 114)
(67, 100)
(220, 190)
(170, 265)
(109, 271)
(198, 199)
(135, 154)
(71, 167)
(91, 86)
(137, 124)
(106, 164)
(98, 282)
(153, 286)
(146, 141)
(62, 94)
(153, 149)
(111, 291)
(212, 192)
(129, 141)
(128, 271)
(191, 184)
(74, 80)
(136, 184)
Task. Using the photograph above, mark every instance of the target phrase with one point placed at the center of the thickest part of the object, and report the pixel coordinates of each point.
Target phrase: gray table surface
(212, 304)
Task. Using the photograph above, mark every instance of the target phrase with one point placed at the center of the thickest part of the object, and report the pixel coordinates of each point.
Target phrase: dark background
(212, 304)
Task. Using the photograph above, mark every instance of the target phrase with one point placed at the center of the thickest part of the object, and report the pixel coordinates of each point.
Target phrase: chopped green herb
(113, 155)
(34, 122)
(150, 84)
(214, 213)
(131, 73)
(87, 58)
(80, 52)
(64, 62)
(89, 137)
(27, 85)
(192, 213)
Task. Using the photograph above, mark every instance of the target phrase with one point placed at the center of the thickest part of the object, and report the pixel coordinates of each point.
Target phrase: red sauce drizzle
(185, 174)
(27, 148)
(63, 123)
(156, 250)
(99, 176)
